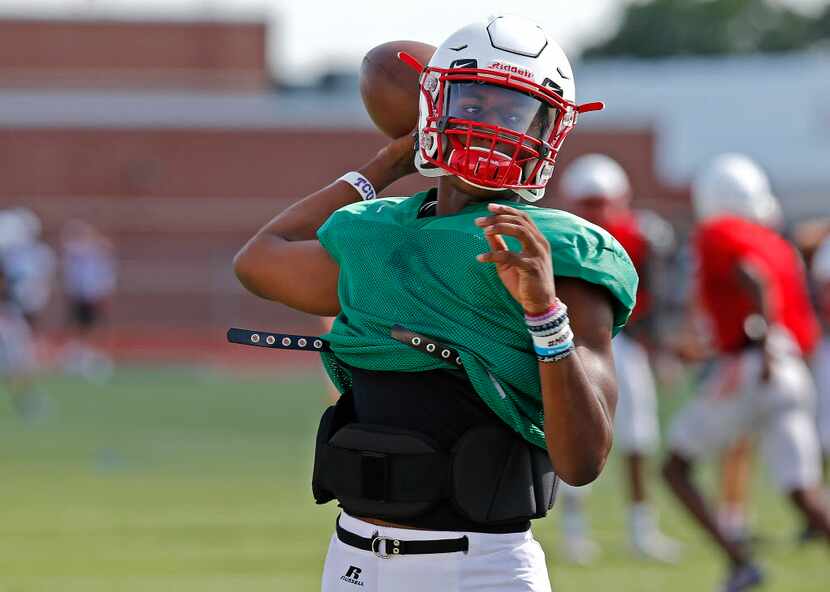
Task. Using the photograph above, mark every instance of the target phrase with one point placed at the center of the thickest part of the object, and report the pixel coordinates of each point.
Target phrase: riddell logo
(511, 69)
(352, 576)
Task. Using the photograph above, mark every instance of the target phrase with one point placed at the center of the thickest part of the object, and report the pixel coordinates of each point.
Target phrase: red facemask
(496, 130)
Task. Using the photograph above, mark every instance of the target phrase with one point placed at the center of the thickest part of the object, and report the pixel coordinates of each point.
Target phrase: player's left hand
(527, 274)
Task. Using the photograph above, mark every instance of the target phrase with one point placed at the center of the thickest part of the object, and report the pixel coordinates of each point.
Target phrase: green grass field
(189, 480)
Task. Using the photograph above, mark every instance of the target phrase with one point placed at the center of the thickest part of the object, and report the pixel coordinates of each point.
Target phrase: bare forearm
(267, 265)
(572, 333)
(578, 423)
(301, 220)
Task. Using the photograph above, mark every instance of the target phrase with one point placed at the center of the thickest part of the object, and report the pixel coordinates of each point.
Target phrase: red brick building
(109, 54)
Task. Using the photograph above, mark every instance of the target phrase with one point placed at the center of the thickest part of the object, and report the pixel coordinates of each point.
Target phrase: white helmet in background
(595, 175)
(13, 231)
(30, 221)
(733, 184)
(820, 267)
(768, 212)
(497, 100)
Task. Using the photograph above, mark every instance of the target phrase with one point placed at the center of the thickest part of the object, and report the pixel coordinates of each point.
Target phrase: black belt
(277, 340)
(386, 547)
(426, 344)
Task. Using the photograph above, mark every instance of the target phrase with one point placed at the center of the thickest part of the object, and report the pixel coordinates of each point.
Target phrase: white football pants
(734, 402)
(494, 563)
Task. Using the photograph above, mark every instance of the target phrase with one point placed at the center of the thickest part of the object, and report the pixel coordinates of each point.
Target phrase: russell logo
(502, 67)
(352, 576)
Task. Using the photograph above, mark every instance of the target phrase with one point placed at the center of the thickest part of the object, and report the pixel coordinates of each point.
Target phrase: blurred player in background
(596, 187)
(810, 234)
(821, 360)
(30, 265)
(737, 460)
(17, 358)
(752, 287)
(89, 276)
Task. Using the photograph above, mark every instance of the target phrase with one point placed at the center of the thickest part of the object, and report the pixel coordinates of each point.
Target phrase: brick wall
(90, 54)
(179, 203)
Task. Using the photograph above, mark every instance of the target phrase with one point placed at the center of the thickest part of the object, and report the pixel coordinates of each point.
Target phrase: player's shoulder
(382, 208)
(583, 250)
(552, 216)
(561, 227)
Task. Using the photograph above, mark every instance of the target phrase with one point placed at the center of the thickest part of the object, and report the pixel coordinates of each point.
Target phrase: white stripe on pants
(494, 563)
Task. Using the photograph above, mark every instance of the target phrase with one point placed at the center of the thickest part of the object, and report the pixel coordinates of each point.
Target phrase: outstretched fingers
(511, 222)
(500, 254)
(495, 241)
(505, 258)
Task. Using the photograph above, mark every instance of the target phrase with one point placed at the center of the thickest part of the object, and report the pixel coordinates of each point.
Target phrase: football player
(17, 360)
(88, 266)
(752, 287)
(821, 360)
(472, 344)
(30, 266)
(597, 188)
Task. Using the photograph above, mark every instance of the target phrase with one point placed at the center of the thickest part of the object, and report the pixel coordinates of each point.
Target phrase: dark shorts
(85, 313)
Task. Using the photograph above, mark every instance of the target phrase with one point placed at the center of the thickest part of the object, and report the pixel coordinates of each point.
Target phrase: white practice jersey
(30, 268)
(88, 270)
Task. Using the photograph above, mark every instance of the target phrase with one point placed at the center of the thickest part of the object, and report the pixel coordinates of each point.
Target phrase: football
(389, 87)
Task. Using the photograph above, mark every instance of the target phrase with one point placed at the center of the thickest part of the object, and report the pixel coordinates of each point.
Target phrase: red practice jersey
(625, 229)
(721, 244)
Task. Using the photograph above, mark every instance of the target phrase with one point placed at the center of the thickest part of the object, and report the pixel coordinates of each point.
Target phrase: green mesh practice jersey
(422, 273)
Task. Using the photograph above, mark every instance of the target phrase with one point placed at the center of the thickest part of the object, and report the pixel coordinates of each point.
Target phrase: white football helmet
(497, 100)
(733, 184)
(595, 176)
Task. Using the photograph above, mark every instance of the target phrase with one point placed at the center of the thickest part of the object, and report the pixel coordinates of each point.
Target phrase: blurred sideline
(178, 346)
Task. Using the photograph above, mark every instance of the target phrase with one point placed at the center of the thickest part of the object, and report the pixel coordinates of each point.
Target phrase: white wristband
(553, 340)
(361, 184)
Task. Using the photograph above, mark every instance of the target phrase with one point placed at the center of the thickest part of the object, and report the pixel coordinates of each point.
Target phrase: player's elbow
(247, 266)
(581, 475)
(242, 265)
(579, 479)
(584, 468)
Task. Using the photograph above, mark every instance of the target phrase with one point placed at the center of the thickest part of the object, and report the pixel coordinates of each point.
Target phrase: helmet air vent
(517, 35)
